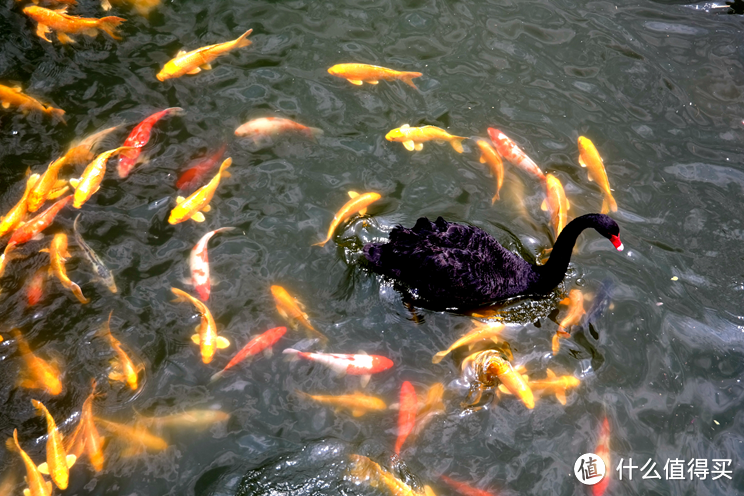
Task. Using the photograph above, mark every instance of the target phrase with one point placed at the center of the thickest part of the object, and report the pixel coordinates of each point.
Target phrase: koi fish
(589, 158)
(556, 385)
(139, 137)
(490, 331)
(38, 374)
(82, 152)
(190, 418)
(432, 406)
(102, 272)
(489, 367)
(199, 264)
(133, 435)
(358, 203)
(15, 216)
(414, 137)
(556, 203)
(206, 336)
(359, 74)
(58, 461)
(265, 128)
(198, 202)
(195, 175)
(463, 488)
(37, 486)
(406, 414)
(86, 437)
(32, 229)
(48, 186)
(511, 152)
(575, 302)
(262, 342)
(365, 470)
(58, 254)
(124, 369)
(143, 7)
(58, 20)
(194, 61)
(490, 157)
(15, 96)
(603, 451)
(90, 182)
(602, 301)
(363, 365)
(359, 404)
(35, 288)
(292, 310)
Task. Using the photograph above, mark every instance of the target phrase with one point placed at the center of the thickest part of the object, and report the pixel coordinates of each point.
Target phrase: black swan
(455, 266)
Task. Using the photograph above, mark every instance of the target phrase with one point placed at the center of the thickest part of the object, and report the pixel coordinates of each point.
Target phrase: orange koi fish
(194, 61)
(15, 96)
(406, 414)
(58, 461)
(359, 404)
(489, 367)
(124, 369)
(511, 152)
(361, 364)
(262, 342)
(359, 74)
(488, 331)
(292, 310)
(198, 202)
(195, 174)
(589, 158)
(133, 435)
(38, 374)
(206, 336)
(17, 214)
(195, 419)
(35, 287)
(265, 128)
(490, 157)
(90, 182)
(58, 20)
(432, 407)
(58, 254)
(365, 470)
(86, 436)
(48, 187)
(575, 302)
(82, 152)
(358, 203)
(37, 486)
(463, 488)
(556, 385)
(556, 203)
(32, 229)
(603, 451)
(143, 7)
(414, 137)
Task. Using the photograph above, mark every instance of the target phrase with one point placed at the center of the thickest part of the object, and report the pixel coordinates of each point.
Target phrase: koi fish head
(397, 134)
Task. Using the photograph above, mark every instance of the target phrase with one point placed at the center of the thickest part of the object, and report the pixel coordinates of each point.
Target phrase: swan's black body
(457, 266)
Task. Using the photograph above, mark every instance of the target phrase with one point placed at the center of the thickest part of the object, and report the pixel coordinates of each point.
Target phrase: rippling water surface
(657, 88)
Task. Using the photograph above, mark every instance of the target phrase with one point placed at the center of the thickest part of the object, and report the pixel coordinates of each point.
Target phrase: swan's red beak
(617, 243)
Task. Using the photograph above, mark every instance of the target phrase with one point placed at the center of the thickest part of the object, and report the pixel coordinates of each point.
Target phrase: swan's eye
(615, 240)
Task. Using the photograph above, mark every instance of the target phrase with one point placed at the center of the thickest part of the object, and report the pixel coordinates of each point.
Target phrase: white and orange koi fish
(199, 264)
(363, 365)
(511, 152)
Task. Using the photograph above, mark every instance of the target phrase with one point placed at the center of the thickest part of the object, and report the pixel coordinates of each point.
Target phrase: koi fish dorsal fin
(353, 194)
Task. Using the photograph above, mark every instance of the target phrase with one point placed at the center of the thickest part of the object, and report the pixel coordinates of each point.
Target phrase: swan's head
(609, 229)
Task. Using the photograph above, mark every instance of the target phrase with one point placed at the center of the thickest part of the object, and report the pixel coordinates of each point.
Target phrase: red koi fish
(363, 365)
(463, 488)
(406, 414)
(511, 152)
(603, 451)
(256, 345)
(199, 264)
(195, 175)
(138, 138)
(34, 226)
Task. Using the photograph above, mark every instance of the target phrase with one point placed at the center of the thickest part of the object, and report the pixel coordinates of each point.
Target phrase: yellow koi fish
(48, 187)
(15, 96)
(58, 461)
(372, 74)
(90, 182)
(359, 404)
(491, 157)
(490, 330)
(490, 367)
(58, 20)
(38, 374)
(137, 436)
(195, 419)
(358, 203)
(589, 158)
(37, 486)
(206, 336)
(143, 7)
(58, 254)
(432, 406)
(194, 61)
(556, 385)
(124, 369)
(556, 203)
(291, 309)
(414, 137)
(575, 302)
(198, 202)
(17, 214)
(86, 436)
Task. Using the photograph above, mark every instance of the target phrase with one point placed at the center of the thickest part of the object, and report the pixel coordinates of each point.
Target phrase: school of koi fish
(487, 363)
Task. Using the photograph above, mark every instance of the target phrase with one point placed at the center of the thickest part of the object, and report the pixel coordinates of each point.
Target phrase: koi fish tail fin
(175, 111)
(495, 197)
(243, 41)
(314, 132)
(10, 443)
(303, 395)
(56, 114)
(79, 293)
(109, 24)
(322, 243)
(39, 407)
(456, 143)
(217, 376)
(439, 356)
(608, 204)
(291, 351)
(408, 79)
(227, 163)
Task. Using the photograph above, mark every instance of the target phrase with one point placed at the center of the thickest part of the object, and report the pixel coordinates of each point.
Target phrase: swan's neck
(552, 273)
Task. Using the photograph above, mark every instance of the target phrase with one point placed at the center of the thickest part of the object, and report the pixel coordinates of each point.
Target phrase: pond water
(656, 86)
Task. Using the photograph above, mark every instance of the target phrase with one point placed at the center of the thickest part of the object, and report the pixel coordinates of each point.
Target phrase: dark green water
(658, 88)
